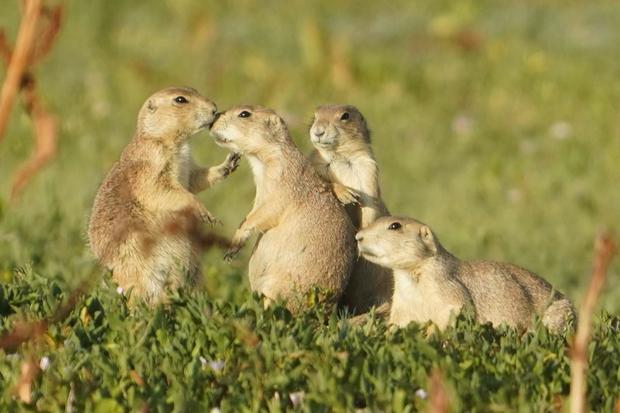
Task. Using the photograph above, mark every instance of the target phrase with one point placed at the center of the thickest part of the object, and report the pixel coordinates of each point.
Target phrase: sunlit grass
(495, 123)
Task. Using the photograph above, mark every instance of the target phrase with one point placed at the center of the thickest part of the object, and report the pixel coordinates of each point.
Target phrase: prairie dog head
(248, 129)
(175, 113)
(336, 125)
(397, 243)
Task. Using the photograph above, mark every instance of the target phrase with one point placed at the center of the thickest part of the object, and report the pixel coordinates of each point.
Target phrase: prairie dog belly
(345, 174)
(150, 265)
(297, 256)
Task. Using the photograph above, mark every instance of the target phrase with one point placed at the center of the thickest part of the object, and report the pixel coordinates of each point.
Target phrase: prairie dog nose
(211, 106)
(318, 130)
(359, 236)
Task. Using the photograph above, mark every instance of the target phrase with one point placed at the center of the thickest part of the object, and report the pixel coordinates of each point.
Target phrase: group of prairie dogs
(321, 224)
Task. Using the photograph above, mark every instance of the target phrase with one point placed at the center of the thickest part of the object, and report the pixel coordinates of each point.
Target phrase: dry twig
(45, 127)
(19, 61)
(29, 371)
(184, 223)
(34, 41)
(439, 402)
(603, 253)
(70, 405)
(26, 331)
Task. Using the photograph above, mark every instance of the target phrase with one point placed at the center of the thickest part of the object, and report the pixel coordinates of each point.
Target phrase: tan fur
(343, 157)
(306, 240)
(431, 284)
(143, 212)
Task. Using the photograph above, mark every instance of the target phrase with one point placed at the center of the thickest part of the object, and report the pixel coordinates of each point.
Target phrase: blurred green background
(497, 123)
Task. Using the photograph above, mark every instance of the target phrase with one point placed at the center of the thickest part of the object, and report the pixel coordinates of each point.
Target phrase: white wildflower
(462, 125)
(514, 195)
(561, 130)
(421, 393)
(44, 363)
(297, 398)
(216, 365)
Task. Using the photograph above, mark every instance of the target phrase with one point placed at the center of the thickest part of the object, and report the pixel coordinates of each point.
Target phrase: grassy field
(497, 123)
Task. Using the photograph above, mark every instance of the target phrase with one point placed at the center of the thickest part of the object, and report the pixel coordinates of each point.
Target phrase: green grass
(508, 149)
(202, 352)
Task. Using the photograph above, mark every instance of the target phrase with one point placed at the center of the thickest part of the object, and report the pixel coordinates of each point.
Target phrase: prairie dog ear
(427, 237)
(277, 125)
(150, 106)
(274, 120)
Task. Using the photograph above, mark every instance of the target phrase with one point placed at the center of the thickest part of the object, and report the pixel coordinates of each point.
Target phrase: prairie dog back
(426, 273)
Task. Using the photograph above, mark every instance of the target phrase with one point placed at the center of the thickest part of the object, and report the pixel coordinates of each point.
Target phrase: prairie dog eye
(345, 116)
(394, 226)
(245, 114)
(181, 99)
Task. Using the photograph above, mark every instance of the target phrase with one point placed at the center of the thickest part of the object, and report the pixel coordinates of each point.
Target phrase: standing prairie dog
(306, 239)
(431, 284)
(343, 157)
(143, 212)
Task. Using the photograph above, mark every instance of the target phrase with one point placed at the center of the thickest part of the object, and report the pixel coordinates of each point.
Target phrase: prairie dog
(431, 284)
(344, 158)
(306, 239)
(144, 209)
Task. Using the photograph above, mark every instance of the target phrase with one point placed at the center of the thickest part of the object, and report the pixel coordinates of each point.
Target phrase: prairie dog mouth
(218, 137)
(206, 125)
(365, 251)
(221, 139)
(325, 139)
(215, 118)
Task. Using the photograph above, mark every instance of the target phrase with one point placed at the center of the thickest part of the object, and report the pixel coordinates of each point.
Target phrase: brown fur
(145, 209)
(431, 284)
(343, 157)
(306, 240)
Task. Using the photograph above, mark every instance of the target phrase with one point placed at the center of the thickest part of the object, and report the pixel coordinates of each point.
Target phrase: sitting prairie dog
(431, 284)
(306, 239)
(343, 157)
(145, 209)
